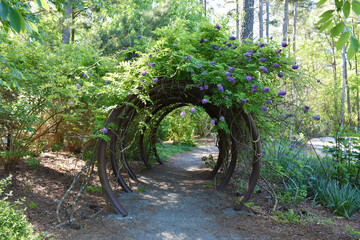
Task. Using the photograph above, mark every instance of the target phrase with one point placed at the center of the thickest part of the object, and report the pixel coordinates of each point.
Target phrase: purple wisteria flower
(232, 38)
(307, 107)
(278, 51)
(263, 59)
(281, 93)
(231, 69)
(295, 67)
(123, 48)
(201, 88)
(268, 101)
(204, 101)
(280, 75)
(276, 65)
(202, 40)
(306, 110)
(192, 110)
(263, 108)
(212, 63)
(318, 80)
(212, 122)
(94, 57)
(150, 55)
(83, 75)
(104, 130)
(217, 26)
(78, 86)
(126, 58)
(264, 69)
(231, 79)
(265, 89)
(72, 76)
(139, 36)
(151, 64)
(155, 80)
(248, 54)
(204, 72)
(83, 92)
(234, 47)
(249, 59)
(254, 90)
(143, 73)
(220, 87)
(249, 78)
(317, 118)
(222, 118)
(229, 44)
(243, 100)
(224, 42)
(254, 86)
(107, 81)
(71, 103)
(187, 58)
(182, 114)
(206, 87)
(267, 120)
(262, 44)
(284, 44)
(216, 48)
(227, 74)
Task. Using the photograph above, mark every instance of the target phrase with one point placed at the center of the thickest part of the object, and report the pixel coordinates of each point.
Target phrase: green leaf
(4, 9)
(339, 4)
(33, 27)
(321, 2)
(335, 31)
(354, 43)
(16, 20)
(325, 16)
(342, 40)
(350, 52)
(325, 26)
(346, 9)
(44, 4)
(356, 7)
(38, 2)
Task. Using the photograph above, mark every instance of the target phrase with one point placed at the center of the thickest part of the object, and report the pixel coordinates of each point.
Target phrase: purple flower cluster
(263, 59)
(104, 130)
(155, 80)
(231, 79)
(265, 89)
(243, 100)
(276, 65)
(217, 26)
(281, 93)
(254, 88)
(227, 74)
(249, 78)
(231, 69)
(262, 44)
(295, 67)
(222, 118)
(220, 87)
(192, 110)
(317, 118)
(151, 64)
(278, 51)
(284, 44)
(78, 86)
(306, 109)
(182, 114)
(280, 75)
(204, 101)
(212, 122)
(232, 38)
(268, 101)
(263, 108)
(143, 73)
(264, 69)
(212, 63)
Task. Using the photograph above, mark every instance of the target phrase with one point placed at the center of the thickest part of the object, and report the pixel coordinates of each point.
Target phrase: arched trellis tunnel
(242, 139)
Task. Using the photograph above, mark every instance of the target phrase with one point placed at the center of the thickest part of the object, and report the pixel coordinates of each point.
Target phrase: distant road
(318, 143)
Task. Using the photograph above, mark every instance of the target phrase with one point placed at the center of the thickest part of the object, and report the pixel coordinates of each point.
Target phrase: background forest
(59, 78)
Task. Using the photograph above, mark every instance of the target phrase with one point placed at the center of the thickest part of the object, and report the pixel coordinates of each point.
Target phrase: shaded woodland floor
(173, 201)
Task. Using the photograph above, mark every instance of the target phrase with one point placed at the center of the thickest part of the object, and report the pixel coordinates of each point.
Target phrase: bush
(13, 222)
(343, 200)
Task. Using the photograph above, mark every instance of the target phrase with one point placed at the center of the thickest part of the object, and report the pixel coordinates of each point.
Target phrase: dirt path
(177, 203)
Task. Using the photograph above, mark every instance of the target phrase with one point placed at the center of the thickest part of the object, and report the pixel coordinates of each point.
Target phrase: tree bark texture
(294, 32)
(237, 20)
(286, 20)
(66, 29)
(268, 20)
(261, 22)
(248, 21)
(344, 77)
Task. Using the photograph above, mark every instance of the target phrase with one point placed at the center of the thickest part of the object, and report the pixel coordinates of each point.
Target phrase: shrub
(13, 222)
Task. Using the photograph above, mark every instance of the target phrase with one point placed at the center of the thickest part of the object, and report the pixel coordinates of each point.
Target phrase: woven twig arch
(164, 97)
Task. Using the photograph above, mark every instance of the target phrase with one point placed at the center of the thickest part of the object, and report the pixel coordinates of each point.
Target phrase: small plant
(352, 232)
(141, 189)
(33, 162)
(94, 189)
(13, 222)
(287, 216)
(32, 205)
(209, 161)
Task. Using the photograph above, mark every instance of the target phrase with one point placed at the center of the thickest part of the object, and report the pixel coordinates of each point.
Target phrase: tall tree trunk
(66, 29)
(237, 20)
(261, 22)
(344, 77)
(286, 20)
(334, 75)
(357, 85)
(205, 7)
(268, 20)
(294, 33)
(248, 23)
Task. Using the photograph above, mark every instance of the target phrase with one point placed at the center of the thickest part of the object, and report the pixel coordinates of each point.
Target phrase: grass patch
(166, 151)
